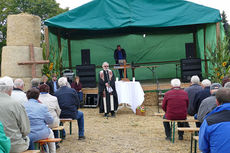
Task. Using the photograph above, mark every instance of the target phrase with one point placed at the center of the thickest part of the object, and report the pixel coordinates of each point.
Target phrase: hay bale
(150, 99)
(23, 29)
(11, 55)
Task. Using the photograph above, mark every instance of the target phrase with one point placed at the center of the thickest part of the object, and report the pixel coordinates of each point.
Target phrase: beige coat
(16, 123)
(52, 103)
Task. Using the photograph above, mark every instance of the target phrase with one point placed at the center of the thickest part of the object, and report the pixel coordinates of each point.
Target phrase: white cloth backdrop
(130, 93)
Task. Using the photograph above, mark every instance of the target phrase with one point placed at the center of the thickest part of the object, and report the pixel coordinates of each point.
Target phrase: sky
(218, 4)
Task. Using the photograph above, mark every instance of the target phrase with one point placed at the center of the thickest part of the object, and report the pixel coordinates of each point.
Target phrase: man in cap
(208, 104)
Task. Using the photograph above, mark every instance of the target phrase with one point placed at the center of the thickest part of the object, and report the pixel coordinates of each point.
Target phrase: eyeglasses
(106, 66)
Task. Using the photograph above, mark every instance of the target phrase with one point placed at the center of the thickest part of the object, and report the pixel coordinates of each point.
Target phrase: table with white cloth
(130, 93)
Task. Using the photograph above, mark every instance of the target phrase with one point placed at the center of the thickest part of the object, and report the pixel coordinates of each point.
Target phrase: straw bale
(23, 29)
(150, 99)
(11, 55)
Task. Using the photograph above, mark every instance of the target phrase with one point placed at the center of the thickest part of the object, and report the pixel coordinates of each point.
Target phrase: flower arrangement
(141, 108)
(55, 62)
(219, 58)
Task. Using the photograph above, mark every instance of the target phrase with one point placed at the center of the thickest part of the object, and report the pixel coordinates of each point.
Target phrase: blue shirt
(55, 86)
(39, 117)
(120, 56)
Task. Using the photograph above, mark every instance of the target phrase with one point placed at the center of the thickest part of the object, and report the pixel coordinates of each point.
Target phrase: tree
(43, 8)
(226, 25)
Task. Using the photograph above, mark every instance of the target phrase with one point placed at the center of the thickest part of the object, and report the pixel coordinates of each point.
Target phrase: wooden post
(47, 42)
(217, 33)
(194, 39)
(125, 75)
(69, 54)
(59, 47)
(205, 53)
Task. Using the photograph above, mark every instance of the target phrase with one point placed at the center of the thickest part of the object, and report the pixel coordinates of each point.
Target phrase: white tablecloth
(130, 93)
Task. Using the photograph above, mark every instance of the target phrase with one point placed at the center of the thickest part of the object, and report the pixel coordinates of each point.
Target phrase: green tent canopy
(151, 31)
(112, 14)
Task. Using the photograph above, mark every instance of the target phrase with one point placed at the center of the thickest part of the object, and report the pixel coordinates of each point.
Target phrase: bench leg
(195, 146)
(70, 128)
(173, 139)
(191, 142)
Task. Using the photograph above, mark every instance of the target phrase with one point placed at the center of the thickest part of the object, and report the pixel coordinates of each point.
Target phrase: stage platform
(147, 85)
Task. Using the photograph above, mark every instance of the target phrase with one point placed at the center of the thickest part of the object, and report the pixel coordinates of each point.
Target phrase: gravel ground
(127, 133)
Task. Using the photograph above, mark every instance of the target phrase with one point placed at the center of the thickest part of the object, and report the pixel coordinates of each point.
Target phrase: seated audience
(175, 105)
(192, 90)
(13, 117)
(69, 103)
(4, 141)
(201, 95)
(209, 103)
(18, 94)
(53, 84)
(77, 86)
(39, 117)
(214, 135)
(35, 83)
(52, 103)
(44, 80)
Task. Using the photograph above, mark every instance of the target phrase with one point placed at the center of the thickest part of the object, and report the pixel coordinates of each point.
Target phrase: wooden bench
(173, 124)
(31, 151)
(60, 132)
(40, 143)
(70, 120)
(193, 131)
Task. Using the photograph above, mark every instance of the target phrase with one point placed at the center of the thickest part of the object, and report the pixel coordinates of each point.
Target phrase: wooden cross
(125, 79)
(32, 61)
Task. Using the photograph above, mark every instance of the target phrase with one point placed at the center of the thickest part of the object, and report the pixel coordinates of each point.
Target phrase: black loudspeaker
(87, 74)
(190, 50)
(91, 100)
(190, 67)
(85, 56)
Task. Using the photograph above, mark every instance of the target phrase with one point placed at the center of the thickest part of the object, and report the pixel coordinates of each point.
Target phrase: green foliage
(43, 8)
(219, 58)
(55, 64)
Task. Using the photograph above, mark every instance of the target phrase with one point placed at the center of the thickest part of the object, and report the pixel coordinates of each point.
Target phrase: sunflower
(218, 74)
(224, 64)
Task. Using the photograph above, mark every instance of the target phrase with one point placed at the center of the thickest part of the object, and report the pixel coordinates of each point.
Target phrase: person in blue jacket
(69, 103)
(214, 135)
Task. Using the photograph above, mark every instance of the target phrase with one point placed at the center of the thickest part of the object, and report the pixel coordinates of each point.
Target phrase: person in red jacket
(175, 105)
(76, 84)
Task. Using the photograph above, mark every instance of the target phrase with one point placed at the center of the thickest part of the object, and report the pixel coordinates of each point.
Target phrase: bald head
(19, 83)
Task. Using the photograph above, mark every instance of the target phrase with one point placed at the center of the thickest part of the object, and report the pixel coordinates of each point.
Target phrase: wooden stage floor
(147, 85)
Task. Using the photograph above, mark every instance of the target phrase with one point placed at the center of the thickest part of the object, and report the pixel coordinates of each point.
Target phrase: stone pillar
(22, 30)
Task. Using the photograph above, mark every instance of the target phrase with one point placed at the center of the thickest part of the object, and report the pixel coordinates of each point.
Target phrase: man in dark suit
(53, 84)
(69, 103)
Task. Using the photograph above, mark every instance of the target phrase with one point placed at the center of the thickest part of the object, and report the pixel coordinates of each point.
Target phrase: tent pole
(47, 42)
(59, 48)
(205, 53)
(69, 53)
(194, 40)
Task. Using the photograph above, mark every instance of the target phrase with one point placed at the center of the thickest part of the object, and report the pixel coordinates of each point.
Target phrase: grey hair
(227, 85)
(206, 83)
(195, 79)
(62, 81)
(175, 83)
(18, 83)
(105, 63)
(35, 82)
(6, 84)
(44, 77)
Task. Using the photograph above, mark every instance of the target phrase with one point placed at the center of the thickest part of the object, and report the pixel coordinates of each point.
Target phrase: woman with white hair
(175, 105)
